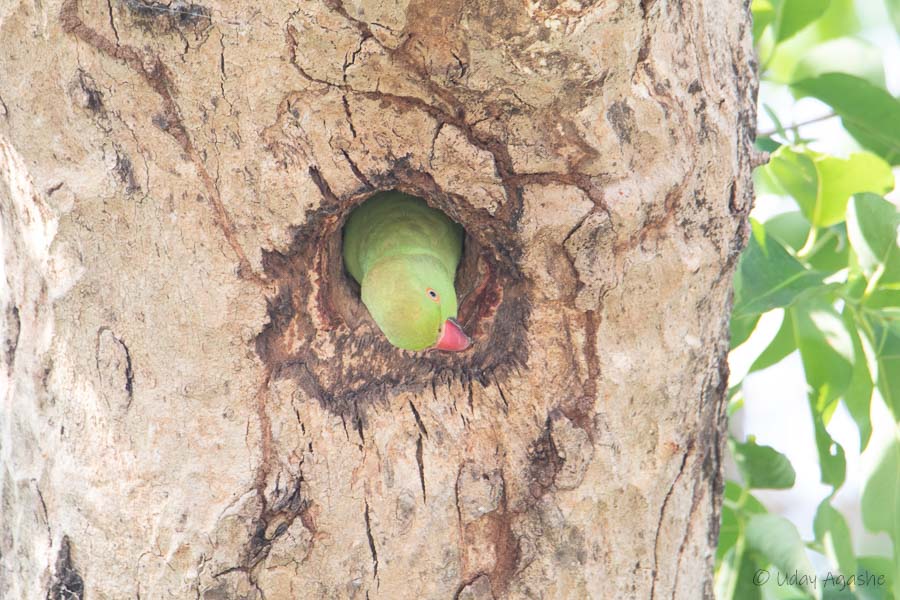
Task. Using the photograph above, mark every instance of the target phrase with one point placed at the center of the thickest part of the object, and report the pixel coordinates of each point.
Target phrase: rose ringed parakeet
(404, 255)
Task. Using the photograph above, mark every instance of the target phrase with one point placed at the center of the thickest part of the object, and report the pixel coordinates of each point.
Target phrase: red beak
(453, 338)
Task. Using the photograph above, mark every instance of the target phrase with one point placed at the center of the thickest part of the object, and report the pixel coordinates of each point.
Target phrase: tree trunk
(196, 404)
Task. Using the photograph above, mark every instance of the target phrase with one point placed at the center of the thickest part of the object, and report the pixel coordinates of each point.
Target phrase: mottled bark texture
(195, 404)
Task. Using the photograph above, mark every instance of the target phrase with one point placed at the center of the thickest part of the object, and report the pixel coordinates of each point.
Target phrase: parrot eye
(432, 294)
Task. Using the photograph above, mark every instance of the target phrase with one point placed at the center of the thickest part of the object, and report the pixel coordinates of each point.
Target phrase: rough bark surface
(195, 405)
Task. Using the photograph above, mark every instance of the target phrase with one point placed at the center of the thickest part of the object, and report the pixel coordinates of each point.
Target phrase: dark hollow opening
(321, 334)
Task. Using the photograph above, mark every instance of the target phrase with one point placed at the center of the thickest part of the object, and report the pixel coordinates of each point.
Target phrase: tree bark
(195, 403)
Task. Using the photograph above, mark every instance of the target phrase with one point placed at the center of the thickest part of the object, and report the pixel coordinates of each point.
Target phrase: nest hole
(321, 334)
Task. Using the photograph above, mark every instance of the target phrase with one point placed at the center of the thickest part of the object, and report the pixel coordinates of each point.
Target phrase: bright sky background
(775, 405)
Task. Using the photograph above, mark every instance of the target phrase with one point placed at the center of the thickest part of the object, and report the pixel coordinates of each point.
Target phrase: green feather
(399, 249)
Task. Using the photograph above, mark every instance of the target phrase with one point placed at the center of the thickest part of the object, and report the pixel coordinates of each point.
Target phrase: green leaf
(870, 114)
(751, 505)
(822, 185)
(795, 172)
(855, 286)
(781, 345)
(727, 572)
(881, 495)
(875, 578)
(872, 230)
(891, 317)
(729, 529)
(838, 179)
(833, 534)
(766, 144)
(764, 183)
(734, 579)
(826, 348)
(768, 276)
(893, 8)
(831, 252)
(762, 467)
(882, 298)
(735, 568)
(849, 55)
(839, 20)
(763, 15)
(790, 228)
(858, 396)
(776, 539)
(794, 15)
(746, 589)
(741, 328)
(835, 588)
(735, 400)
(887, 351)
(832, 461)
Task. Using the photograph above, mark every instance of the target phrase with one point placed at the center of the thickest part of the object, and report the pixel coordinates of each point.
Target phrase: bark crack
(356, 172)
(40, 496)
(349, 115)
(129, 375)
(371, 543)
(421, 463)
(323, 186)
(459, 471)
(128, 371)
(419, 422)
(112, 22)
(349, 63)
(140, 150)
(156, 75)
(502, 397)
(662, 514)
(223, 73)
(511, 181)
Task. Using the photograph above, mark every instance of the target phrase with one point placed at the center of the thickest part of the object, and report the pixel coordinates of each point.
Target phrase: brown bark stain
(265, 439)
(435, 45)
(157, 76)
(423, 19)
(544, 462)
(488, 544)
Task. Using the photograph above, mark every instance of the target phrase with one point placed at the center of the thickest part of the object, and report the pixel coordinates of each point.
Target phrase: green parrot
(404, 255)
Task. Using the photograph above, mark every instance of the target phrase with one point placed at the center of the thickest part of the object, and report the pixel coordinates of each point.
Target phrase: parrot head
(413, 301)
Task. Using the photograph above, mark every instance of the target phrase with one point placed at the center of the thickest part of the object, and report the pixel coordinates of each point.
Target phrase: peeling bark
(197, 405)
